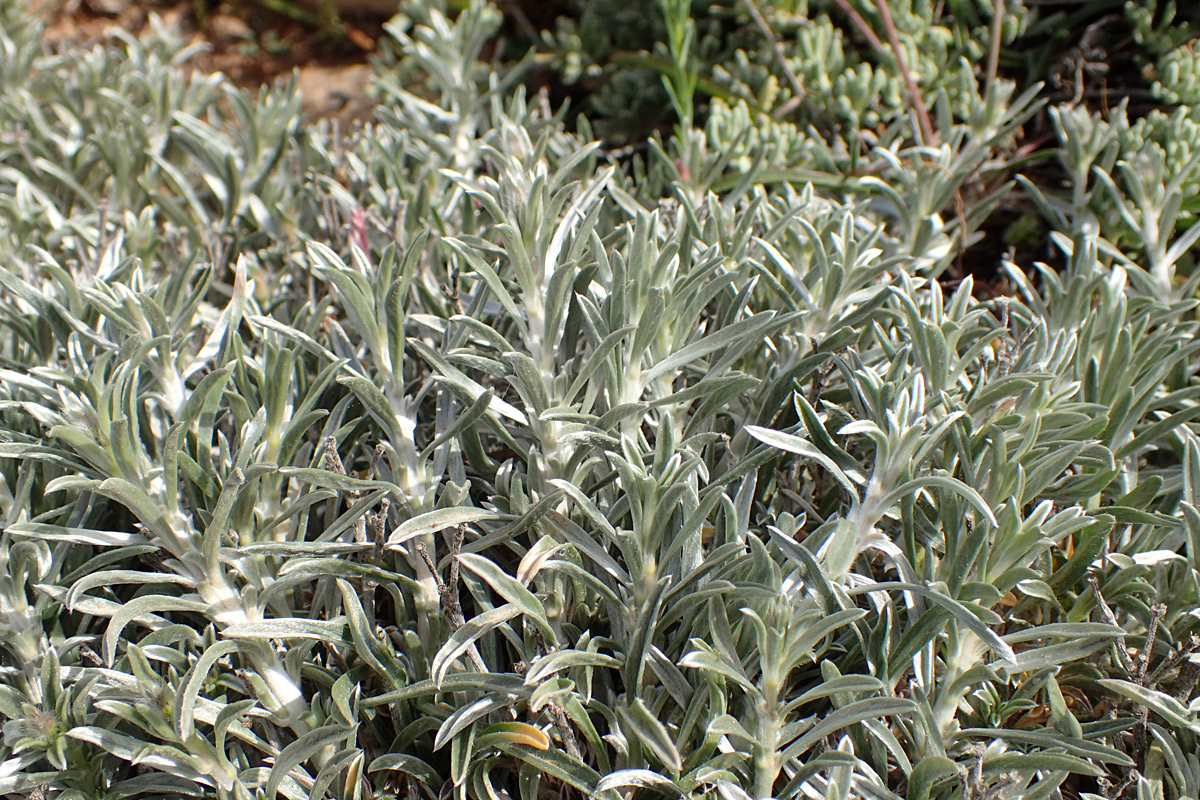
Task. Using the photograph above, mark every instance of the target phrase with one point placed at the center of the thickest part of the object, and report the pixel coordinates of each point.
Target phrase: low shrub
(467, 455)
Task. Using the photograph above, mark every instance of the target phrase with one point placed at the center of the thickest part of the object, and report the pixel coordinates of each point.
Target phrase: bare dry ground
(249, 43)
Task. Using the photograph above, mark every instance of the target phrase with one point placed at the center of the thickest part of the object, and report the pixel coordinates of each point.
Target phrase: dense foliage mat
(469, 457)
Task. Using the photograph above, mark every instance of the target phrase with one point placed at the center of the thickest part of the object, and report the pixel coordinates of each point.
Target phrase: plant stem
(926, 127)
(862, 25)
(993, 62)
(788, 73)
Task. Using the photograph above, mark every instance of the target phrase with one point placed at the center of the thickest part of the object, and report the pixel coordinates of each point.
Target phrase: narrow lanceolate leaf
(128, 495)
(637, 779)
(71, 535)
(469, 389)
(146, 604)
(1160, 703)
(332, 631)
(557, 764)
(652, 734)
(802, 447)
(746, 330)
(117, 577)
(1061, 762)
(928, 771)
(463, 638)
(378, 655)
(871, 708)
(328, 479)
(376, 403)
(353, 288)
(544, 666)
(302, 750)
(511, 590)
(966, 616)
(711, 662)
(1047, 738)
(402, 762)
(183, 719)
(438, 520)
(488, 275)
(946, 483)
(170, 760)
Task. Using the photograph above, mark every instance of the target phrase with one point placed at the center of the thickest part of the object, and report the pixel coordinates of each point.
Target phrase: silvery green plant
(463, 458)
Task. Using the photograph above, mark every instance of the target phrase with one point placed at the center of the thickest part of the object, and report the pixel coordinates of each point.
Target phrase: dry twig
(448, 590)
(797, 88)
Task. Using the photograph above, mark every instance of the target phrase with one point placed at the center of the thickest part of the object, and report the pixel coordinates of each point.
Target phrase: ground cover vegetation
(815, 416)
